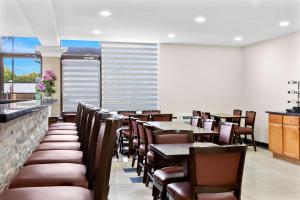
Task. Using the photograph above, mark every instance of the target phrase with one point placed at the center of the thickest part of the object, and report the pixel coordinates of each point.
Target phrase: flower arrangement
(47, 83)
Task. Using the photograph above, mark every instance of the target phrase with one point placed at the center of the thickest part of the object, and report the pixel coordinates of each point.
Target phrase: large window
(20, 65)
(129, 76)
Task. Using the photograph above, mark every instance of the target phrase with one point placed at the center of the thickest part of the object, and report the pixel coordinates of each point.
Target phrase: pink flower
(49, 75)
(41, 86)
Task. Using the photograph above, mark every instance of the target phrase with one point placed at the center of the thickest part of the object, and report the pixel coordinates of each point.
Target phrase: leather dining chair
(215, 173)
(196, 121)
(226, 133)
(248, 129)
(141, 151)
(168, 171)
(209, 124)
(236, 121)
(196, 113)
(204, 116)
(161, 117)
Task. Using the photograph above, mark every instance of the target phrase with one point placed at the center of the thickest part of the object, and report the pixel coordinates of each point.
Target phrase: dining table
(177, 125)
(226, 117)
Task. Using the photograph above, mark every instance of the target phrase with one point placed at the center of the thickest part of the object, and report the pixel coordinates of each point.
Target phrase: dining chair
(226, 133)
(204, 116)
(150, 112)
(209, 124)
(141, 150)
(196, 113)
(171, 170)
(215, 173)
(196, 121)
(237, 121)
(161, 117)
(149, 158)
(248, 129)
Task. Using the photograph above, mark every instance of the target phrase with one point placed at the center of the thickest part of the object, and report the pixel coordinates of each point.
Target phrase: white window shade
(81, 82)
(129, 76)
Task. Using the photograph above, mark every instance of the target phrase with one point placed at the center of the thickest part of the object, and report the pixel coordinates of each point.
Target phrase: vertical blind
(81, 82)
(129, 76)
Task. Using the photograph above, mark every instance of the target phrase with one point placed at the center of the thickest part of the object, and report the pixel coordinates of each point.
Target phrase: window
(129, 76)
(20, 65)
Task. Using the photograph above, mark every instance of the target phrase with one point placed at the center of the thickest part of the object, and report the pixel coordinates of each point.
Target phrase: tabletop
(175, 125)
(171, 151)
(226, 116)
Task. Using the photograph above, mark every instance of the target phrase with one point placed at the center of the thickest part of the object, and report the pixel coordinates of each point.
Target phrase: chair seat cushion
(243, 130)
(48, 193)
(63, 124)
(216, 196)
(179, 190)
(59, 146)
(55, 156)
(61, 132)
(168, 175)
(62, 128)
(60, 138)
(59, 174)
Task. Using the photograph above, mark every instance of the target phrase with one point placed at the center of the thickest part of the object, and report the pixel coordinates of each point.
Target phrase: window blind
(81, 82)
(129, 76)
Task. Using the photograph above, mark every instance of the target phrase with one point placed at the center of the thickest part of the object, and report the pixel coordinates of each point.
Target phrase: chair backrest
(149, 135)
(141, 132)
(195, 121)
(150, 112)
(161, 117)
(238, 113)
(216, 169)
(250, 120)
(133, 126)
(209, 124)
(226, 134)
(126, 113)
(103, 163)
(173, 136)
(197, 113)
(204, 116)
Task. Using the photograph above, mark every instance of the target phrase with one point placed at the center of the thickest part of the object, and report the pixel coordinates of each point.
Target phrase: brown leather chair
(142, 142)
(248, 129)
(59, 174)
(149, 155)
(204, 116)
(209, 124)
(215, 174)
(196, 121)
(150, 112)
(168, 171)
(161, 117)
(226, 133)
(101, 176)
(196, 113)
(237, 121)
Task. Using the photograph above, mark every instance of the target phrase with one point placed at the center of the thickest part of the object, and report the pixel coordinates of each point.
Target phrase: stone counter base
(18, 139)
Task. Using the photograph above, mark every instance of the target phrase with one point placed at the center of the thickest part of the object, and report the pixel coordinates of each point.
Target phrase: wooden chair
(196, 113)
(161, 117)
(215, 173)
(209, 124)
(237, 121)
(248, 129)
(226, 133)
(196, 121)
(204, 116)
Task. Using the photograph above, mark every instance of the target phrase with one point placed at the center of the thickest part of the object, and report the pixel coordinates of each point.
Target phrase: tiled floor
(265, 178)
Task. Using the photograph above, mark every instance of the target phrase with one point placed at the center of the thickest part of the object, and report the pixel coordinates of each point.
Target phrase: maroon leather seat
(55, 156)
(60, 138)
(59, 174)
(62, 128)
(59, 146)
(48, 193)
(61, 132)
(168, 175)
(182, 191)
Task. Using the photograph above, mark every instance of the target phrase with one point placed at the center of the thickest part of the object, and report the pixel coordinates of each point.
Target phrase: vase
(48, 96)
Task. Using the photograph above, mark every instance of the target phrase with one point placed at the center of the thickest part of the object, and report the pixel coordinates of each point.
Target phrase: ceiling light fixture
(105, 13)
(200, 19)
(171, 35)
(238, 38)
(97, 32)
(284, 23)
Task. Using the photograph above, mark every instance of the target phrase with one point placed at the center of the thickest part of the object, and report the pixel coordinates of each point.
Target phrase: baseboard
(260, 144)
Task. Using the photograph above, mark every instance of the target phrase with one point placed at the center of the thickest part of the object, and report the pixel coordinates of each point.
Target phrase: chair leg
(139, 164)
(134, 157)
(145, 171)
(240, 139)
(253, 141)
(129, 147)
(155, 193)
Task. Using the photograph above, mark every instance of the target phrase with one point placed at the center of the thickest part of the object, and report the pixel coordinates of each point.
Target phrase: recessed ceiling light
(238, 38)
(105, 13)
(171, 35)
(284, 23)
(97, 32)
(200, 19)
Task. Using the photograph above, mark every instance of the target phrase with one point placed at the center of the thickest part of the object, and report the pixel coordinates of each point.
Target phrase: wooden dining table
(176, 125)
(226, 117)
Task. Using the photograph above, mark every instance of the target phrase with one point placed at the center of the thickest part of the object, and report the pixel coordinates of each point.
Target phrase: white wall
(200, 77)
(268, 66)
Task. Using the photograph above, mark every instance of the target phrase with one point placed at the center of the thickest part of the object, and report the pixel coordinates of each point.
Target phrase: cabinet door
(291, 141)
(275, 138)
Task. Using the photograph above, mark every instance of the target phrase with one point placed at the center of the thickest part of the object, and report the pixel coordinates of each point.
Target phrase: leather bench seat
(48, 193)
(60, 138)
(182, 191)
(62, 128)
(168, 175)
(55, 156)
(59, 174)
(59, 146)
(61, 132)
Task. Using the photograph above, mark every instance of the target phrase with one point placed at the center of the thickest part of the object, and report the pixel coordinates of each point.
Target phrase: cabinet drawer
(277, 119)
(291, 120)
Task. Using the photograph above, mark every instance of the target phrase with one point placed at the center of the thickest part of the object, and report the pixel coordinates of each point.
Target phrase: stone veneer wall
(18, 138)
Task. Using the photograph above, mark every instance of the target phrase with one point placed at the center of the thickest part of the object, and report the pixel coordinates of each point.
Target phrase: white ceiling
(150, 20)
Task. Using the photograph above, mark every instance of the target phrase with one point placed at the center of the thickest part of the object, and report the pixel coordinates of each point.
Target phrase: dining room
(160, 100)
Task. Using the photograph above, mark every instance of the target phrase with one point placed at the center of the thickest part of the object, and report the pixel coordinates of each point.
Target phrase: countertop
(283, 113)
(13, 110)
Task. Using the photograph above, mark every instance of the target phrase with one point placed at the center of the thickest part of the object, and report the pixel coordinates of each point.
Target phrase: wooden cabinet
(291, 141)
(275, 138)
